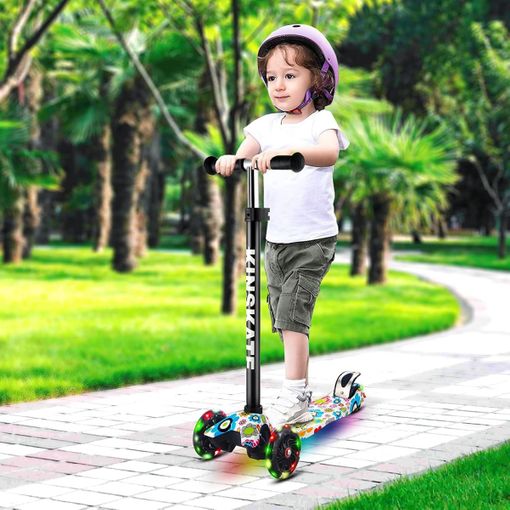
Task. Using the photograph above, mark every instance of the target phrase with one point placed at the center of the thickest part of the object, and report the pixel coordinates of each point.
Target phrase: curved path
(430, 399)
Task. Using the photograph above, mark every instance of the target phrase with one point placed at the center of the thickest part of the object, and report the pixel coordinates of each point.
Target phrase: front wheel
(201, 443)
(282, 453)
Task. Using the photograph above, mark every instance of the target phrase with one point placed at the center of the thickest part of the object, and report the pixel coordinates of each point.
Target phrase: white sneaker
(289, 407)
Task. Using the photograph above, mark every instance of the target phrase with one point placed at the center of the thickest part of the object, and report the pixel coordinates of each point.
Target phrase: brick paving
(430, 399)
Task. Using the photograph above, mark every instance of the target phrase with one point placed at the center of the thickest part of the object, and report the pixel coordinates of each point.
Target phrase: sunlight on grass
(467, 251)
(479, 482)
(69, 323)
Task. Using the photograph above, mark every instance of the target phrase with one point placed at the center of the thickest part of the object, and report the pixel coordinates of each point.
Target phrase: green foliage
(172, 197)
(82, 111)
(91, 69)
(20, 166)
(80, 199)
(355, 96)
(209, 143)
(484, 120)
(83, 57)
(413, 45)
(404, 160)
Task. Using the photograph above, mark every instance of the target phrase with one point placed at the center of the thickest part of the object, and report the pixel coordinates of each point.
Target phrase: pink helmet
(317, 42)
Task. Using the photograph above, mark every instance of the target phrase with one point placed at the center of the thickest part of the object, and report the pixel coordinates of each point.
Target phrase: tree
(19, 57)
(20, 168)
(354, 100)
(402, 170)
(229, 116)
(417, 51)
(484, 116)
(85, 60)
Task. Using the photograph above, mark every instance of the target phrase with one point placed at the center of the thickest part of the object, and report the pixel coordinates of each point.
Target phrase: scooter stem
(253, 217)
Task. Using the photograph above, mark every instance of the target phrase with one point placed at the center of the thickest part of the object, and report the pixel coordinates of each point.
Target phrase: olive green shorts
(294, 275)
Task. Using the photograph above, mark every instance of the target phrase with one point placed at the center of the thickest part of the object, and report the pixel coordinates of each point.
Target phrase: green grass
(480, 481)
(68, 323)
(472, 251)
(174, 242)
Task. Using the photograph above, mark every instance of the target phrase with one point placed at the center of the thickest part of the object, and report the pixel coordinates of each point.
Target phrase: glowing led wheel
(201, 443)
(282, 452)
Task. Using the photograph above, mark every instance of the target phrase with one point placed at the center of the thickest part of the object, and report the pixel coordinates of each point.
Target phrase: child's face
(286, 83)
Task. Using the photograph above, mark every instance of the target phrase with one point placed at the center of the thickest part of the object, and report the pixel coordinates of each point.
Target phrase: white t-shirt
(301, 204)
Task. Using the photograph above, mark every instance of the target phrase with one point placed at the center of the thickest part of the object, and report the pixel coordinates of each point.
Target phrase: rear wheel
(282, 453)
(201, 443)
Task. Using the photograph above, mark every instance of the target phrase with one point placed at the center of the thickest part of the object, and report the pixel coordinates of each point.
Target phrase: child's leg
(296, 355)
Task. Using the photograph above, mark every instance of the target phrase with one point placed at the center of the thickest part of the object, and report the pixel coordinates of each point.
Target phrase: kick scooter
(214, 431)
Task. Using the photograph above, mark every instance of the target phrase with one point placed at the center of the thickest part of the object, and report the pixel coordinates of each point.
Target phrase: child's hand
(263, 159)
(225, 165)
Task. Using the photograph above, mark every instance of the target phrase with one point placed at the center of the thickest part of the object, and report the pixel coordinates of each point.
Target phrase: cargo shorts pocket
(328, 249)
(271, 313)
(304, 302)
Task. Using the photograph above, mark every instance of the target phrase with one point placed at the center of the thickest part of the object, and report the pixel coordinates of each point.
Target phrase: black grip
(296, 162)
(209, 165)
(210, 162)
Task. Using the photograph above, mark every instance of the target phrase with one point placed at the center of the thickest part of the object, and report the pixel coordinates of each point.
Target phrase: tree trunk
(156, 188)
(240, 245)
(31, 220)
(441, 227)
(184, 223)
(359, 239)
(49, 137)
(230, 261)
(379, 239)
(13, 240)
(503, 225)
(72, 219)
(416, 237)
(208, 213)
(47, 206)
(32, 212)
(211, 214)
(198, 213)
(142, 199)
(102, 190)
(130, 129)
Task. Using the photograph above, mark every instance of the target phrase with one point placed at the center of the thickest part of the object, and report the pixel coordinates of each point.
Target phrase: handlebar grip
(209, 165)
(296, 163)
(210, 162)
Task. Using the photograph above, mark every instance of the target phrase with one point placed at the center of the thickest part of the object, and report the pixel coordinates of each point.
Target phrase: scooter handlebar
(295, 162)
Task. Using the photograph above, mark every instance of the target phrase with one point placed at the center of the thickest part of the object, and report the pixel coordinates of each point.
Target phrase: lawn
(480, 481)
(472, 251)
(466, 250)
(68, 323)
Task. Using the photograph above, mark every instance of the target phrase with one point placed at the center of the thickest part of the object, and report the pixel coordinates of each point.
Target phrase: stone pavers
(430, 400)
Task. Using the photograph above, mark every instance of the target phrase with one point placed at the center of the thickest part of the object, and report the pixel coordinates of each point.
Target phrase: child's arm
(323, 154)
(248, 148)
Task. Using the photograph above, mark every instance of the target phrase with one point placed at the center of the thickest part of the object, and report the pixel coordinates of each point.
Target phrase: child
(300, 70)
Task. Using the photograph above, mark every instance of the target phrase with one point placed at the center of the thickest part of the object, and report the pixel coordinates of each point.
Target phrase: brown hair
(304, 57)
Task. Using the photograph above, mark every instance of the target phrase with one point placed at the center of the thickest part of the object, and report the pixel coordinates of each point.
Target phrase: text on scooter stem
(250, 309)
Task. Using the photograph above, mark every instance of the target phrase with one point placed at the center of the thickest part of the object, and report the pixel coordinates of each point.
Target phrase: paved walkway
(429, 400)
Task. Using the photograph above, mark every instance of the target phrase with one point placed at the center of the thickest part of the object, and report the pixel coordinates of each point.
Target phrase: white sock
(297, 385)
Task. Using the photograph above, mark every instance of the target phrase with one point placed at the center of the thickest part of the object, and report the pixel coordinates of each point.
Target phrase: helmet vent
(295, 26)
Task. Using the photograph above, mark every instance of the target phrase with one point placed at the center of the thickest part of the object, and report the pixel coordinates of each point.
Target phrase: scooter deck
(328, 409)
